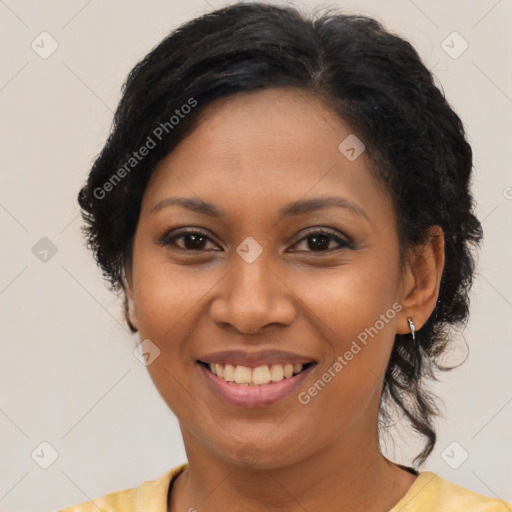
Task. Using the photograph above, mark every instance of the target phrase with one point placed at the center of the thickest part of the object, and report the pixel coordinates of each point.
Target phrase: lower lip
(254, 396)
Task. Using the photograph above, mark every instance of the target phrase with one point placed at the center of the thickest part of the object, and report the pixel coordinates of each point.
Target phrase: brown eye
(321, 241)
(190, 240)
(315, 241)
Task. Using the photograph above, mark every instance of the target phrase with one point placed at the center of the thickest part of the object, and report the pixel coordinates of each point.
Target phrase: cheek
(354, 312)
(167, 295)
(351, 299)
(357, 329)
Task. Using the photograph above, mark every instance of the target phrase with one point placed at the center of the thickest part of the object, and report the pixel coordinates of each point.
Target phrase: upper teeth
(254, 376)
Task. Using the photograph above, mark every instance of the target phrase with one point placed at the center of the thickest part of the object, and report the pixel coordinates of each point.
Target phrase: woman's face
(321, 283)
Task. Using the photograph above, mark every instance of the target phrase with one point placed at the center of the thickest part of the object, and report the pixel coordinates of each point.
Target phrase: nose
(252, 296)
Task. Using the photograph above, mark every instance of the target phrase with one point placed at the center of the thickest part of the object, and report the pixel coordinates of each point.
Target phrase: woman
(285, 205)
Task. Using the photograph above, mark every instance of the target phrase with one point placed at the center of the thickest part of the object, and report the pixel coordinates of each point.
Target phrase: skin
(250, 155)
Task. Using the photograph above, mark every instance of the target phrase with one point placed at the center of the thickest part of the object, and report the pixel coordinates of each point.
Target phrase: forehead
(262, 148)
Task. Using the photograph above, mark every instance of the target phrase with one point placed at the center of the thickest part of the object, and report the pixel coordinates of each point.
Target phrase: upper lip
(256, 358)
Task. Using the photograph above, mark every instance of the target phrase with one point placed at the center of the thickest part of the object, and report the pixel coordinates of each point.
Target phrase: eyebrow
(295, 208)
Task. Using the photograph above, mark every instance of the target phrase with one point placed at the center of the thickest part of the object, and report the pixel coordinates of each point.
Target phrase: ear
(130, 304)
(422, 280)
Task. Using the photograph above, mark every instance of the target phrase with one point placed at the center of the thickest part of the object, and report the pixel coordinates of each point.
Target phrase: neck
(350, 474)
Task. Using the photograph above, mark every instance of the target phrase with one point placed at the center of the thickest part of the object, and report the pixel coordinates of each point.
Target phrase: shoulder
(430, 493)
(113, 502)
(150, 494)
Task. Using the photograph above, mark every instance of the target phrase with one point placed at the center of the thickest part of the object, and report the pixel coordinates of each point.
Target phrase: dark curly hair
(373, 80)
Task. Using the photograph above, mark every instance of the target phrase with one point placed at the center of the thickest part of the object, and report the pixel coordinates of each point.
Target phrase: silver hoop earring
(412, 328)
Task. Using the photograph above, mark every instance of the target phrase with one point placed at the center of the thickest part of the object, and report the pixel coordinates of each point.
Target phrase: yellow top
(428, 493)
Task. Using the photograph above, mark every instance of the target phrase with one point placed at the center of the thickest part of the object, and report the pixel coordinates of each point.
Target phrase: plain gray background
(69, 377)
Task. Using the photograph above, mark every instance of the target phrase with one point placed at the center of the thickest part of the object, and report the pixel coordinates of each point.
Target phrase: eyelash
(165, 240)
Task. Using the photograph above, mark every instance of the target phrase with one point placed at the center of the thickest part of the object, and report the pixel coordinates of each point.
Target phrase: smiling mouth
(260, 376)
